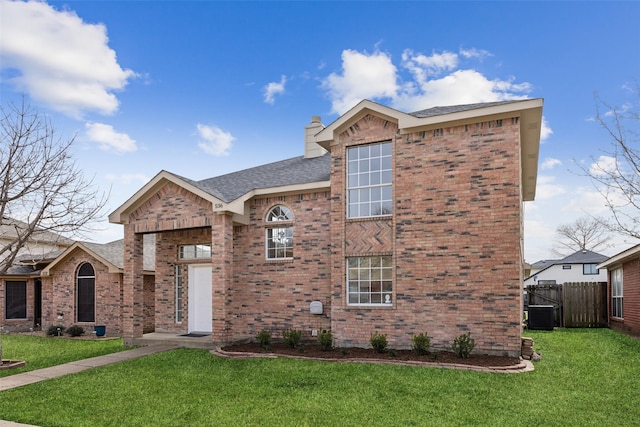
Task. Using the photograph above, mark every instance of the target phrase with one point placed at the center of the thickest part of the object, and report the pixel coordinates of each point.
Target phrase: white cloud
(432, 80)
(474, 53)
(363, 76)
(550, 163)
(128, 178)
(605, 165)
(60, 60)
(214, 140)
(545, 130)
(547, 188)
(109, 139)
(273, 89)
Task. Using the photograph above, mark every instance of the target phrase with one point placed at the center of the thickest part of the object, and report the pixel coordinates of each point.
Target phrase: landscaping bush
(264, 339)
(378, 342)
(75, 331)
(463, 345)
(292, 337)
(326, 340)
(421, 344)
(52, 331)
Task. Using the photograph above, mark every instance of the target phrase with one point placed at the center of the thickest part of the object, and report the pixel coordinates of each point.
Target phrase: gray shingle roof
(114, 251)
(579, 257)
(297, 170)
(437, 111)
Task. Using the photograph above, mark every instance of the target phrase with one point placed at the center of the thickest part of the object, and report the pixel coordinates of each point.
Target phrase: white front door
(200, 305)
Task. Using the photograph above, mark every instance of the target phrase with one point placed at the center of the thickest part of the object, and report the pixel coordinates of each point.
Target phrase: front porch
(203, 342)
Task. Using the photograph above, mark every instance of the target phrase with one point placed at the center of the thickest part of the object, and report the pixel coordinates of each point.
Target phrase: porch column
(222, 275)
(132, 296)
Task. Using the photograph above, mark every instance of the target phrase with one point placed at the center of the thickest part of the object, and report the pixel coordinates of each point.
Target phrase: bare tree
(41, 187)
(616, 174)
(585, 233)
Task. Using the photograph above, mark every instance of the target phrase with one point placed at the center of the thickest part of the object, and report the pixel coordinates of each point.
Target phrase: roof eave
(121, 214)
(622, 257)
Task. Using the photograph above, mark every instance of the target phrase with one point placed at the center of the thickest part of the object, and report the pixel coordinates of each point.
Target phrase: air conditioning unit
(541, 317)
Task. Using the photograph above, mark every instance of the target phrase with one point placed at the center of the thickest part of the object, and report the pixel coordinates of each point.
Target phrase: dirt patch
(313, 351)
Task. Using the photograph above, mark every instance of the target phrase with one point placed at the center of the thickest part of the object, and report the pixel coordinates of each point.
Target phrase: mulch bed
(313, 351)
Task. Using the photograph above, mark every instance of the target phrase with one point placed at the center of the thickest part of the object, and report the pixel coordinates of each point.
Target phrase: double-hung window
(369, 280)
(369, 181)
(279, 233)
(616, 293)
(590, 269)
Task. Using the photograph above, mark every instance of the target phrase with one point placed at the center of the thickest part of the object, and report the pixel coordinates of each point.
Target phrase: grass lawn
(42, 352)
(586, 377)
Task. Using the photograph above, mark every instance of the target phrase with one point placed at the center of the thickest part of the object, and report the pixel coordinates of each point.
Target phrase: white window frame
(201, 251)
(279, 240)
(370, 180)
(617, 294)
(369, 282)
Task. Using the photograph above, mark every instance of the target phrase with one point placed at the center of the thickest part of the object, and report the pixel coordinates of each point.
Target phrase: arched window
(279, 240)
(86, 294)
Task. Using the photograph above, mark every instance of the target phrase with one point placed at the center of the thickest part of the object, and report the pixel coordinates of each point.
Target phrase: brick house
(80, 285)
(391, 222)
(623, 290)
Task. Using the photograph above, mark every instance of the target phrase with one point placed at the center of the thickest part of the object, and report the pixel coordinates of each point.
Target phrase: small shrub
(392, 352)
(344, 352)
(75, 331)
(463, 345)
(292, 337)
(421, 344)
(264, 339)
(53, 330)
(378, 342)
(326, 340)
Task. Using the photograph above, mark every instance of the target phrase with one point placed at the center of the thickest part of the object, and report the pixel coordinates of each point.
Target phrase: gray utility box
(541, 317)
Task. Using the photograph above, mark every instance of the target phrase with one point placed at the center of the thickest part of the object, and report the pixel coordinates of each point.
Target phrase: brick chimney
(311, 149)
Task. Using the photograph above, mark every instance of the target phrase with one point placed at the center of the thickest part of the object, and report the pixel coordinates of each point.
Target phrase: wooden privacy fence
(575, 305)
(584, 305)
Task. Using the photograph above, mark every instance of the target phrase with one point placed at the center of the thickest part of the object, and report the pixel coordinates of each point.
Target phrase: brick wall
(59, 295)
(275, 295)
(631, 299)
(456, 237)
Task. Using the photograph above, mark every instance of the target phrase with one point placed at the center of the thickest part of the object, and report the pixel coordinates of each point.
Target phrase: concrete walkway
(31, 377)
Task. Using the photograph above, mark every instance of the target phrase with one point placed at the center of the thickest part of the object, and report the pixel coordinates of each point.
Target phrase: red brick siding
(59, 295)
(631, 298)
(276, 295)
(457, 222)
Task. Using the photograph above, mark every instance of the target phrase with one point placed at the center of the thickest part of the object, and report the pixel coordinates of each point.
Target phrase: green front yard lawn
(586, 377)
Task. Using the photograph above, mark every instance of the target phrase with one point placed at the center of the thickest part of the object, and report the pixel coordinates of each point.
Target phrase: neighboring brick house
(623, 290)
(580, 266)
(81, 285)
(391, 222)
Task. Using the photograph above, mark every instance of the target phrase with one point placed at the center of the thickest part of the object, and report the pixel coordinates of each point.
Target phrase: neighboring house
(580, 266)
(391, 222)
(81, 285)
(623, 290)
(38, 244)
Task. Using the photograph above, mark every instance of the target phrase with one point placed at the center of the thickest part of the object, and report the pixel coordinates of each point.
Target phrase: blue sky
(203, 88)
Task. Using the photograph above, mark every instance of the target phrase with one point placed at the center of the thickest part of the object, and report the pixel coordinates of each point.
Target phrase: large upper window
(369, 181)
(194, 252)
(590, 269)
(86, 294)
(369, 280)
(15, 302)
(616, 293)
(279, 240)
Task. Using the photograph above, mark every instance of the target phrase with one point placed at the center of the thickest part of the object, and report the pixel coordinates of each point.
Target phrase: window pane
(371, 160)
(365, 283)
(374, 150)
(15, 300)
